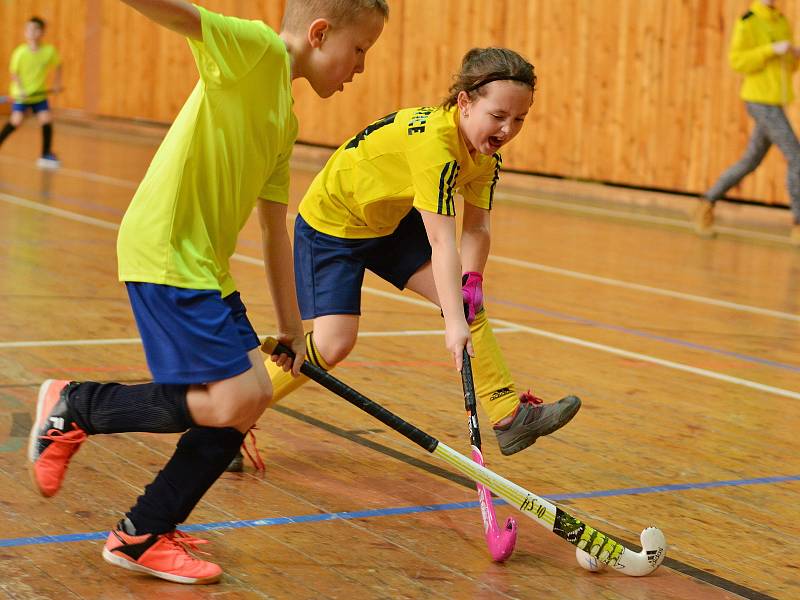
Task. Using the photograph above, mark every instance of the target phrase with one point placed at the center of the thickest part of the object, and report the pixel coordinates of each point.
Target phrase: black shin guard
(7, 131)
(117, 408)
(47, 138)
(202, 455)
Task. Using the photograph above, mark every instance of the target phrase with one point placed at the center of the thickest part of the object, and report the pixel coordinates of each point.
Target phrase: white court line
(645, 288)
(58, 212)
(133, 341)
(629, 216)
(500, 259)
(541, 332)
(609, 349)
(124, 183)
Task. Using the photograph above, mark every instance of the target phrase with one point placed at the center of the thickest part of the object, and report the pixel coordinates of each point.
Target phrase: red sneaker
(163, 555)
(54, 437)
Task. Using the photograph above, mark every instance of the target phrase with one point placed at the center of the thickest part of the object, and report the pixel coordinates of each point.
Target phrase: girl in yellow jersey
(385, 202)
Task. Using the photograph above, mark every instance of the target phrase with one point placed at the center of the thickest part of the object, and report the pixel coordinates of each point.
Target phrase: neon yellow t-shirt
(32, 69)
(229, 145)
(414, 157)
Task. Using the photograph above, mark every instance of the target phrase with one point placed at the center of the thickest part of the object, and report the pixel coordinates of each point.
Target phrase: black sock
(202, 455)
(117, 408)
(47, 138)
(7, 131)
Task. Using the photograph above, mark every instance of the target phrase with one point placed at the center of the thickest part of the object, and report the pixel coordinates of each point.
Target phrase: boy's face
(338, 53)
(32, 31)
(495, 118)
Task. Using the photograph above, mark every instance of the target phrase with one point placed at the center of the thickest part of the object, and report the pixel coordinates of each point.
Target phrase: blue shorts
(329, 270)
(36, 107)
(192, 336)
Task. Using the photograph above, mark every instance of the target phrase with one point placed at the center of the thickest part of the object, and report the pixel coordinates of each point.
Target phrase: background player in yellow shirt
(30, 67)
(385, 202)
(227, 151)
(762, 50)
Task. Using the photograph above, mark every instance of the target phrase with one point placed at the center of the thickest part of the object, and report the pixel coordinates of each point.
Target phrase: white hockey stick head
(654, 549)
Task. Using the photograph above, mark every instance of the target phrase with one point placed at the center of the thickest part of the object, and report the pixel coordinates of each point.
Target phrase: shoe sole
(119, 561)
(522, 444)
(34, 434)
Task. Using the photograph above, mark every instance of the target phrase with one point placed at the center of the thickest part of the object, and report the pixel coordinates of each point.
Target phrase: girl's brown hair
(484, 65)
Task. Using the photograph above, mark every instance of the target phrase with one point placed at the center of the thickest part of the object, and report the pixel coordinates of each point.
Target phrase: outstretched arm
(475, 242)
(475, 238)
(177, 15)
(446, 266)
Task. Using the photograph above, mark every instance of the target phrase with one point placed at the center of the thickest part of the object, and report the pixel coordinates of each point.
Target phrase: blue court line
(407, 510)
(643, 334)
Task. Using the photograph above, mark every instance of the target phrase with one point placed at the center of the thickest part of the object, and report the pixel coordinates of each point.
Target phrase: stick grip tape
(321, 376)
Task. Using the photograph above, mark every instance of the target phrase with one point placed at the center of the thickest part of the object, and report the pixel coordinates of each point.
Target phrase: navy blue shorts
(36, 107)
(329, 270)
(192, 336)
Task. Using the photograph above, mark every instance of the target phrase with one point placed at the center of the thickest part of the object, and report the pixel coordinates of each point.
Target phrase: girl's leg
(328, 344)
(518, 421)
(756, 150)
(494, 385)
(780, 132)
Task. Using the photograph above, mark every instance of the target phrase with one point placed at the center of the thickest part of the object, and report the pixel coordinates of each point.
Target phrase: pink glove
(472, 293)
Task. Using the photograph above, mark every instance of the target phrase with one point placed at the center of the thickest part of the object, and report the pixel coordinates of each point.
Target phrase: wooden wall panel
(636, 92)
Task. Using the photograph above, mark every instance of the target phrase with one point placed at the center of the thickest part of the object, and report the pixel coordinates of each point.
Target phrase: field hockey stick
(500, 541)
(598, 544)
(12, 99)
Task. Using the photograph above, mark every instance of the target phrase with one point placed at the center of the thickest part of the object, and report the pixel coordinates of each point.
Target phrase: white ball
(587, 561)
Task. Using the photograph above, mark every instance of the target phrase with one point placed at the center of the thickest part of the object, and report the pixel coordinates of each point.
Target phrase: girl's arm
(475, 238)
(279, 265)
(446, 266)
(475, 242)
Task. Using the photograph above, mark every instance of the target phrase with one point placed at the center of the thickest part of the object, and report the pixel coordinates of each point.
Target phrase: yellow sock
(283, 383)
(493, 383)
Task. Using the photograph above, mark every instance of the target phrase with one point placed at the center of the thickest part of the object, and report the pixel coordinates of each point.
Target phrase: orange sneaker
(164, 555)
(54, 437)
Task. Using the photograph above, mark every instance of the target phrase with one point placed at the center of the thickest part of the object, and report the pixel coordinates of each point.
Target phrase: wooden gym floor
(685, 352)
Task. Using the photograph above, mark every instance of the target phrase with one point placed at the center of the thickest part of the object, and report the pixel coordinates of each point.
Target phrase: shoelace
(529, 398)
(255, 458)
(76, 436)
(185, 541)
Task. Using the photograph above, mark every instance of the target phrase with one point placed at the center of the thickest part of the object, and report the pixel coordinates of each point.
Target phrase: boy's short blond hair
(300, 14)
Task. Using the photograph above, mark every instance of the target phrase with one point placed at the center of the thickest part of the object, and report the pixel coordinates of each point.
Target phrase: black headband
(483, 82)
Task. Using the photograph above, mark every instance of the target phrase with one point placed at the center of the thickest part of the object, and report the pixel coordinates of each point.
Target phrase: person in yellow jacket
(761, 49)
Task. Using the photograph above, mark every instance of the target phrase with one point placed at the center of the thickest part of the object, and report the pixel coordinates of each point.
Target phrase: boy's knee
(242, 408)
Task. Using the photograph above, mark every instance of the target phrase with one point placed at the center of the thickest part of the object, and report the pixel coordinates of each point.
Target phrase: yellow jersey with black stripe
(229, 145)
(412, 157)
(767, 76)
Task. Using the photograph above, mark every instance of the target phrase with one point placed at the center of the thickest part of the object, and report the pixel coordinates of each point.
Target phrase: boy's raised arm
(177, 15)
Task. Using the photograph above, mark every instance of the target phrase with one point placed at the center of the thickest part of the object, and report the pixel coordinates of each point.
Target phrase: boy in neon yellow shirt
(227, 151)
(30, 67)
(385, 202)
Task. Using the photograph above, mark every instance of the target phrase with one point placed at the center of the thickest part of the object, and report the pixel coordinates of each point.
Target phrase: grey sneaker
(533, 420)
